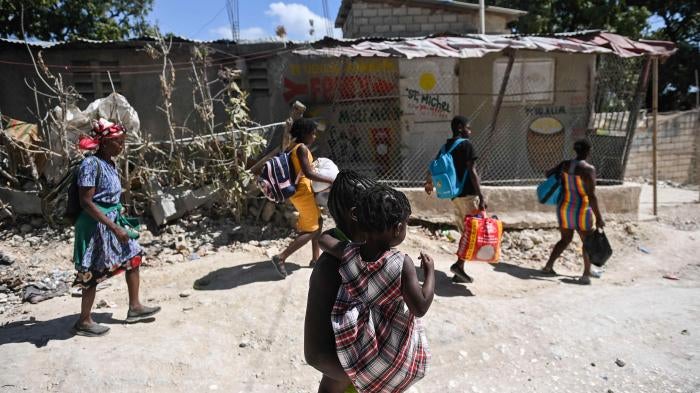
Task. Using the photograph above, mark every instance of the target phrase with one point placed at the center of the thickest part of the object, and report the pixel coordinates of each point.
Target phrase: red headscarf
(100, 129)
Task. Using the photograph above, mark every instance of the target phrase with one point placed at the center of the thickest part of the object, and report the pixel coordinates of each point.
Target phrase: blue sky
(208, 19)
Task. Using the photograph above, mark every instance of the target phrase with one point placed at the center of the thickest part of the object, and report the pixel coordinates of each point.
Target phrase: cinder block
(415, 11)
(449, 18)
(437, 18)
(400, 11)
(405, 20)
(420, 19)
(369, 13)
(442, 27)
(427, 27)
(384, 12)
(382, 28)
(376, 20)
(398, 28)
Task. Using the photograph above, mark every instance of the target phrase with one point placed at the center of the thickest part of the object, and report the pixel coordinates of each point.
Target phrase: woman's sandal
(279, 266)
(550, 271)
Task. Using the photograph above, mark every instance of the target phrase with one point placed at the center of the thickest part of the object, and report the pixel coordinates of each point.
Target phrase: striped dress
(574, 211)
(380, 343)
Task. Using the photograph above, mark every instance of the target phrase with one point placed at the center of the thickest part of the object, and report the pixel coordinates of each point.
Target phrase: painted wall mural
(358, 102)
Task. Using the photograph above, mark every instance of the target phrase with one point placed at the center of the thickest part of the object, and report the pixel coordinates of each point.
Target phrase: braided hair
(345, 194)
(301, 128)
(382, 208)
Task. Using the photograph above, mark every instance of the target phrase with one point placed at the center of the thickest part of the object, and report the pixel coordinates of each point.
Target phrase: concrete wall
(138, 79)
(389, 20)
(518, 207)
(518, 149)
(678, 149)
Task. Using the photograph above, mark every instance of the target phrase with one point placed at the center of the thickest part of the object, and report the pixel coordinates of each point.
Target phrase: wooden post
(655, 110)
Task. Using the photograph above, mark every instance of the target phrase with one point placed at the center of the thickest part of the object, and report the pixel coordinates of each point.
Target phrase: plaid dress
(380, 343)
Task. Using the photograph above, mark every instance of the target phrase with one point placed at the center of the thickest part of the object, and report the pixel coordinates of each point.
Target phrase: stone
(37, 222)
(103, 304)
(620, 363)
(243, 344)
(527, 244)
(22, 203)
(185, 294)
(268, 211)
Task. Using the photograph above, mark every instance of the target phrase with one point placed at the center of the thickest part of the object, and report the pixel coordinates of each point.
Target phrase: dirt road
(511, 331)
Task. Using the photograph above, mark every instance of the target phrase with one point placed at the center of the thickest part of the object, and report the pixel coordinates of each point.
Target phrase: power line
(210, 21)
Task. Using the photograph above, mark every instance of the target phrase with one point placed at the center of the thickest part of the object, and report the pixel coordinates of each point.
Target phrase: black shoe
(279, 266)
(460, 274)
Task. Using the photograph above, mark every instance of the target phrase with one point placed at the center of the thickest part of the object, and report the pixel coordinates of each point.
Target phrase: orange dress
(304, 200)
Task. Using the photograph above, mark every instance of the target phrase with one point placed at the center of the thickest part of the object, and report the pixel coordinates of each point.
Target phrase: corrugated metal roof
(478, 45)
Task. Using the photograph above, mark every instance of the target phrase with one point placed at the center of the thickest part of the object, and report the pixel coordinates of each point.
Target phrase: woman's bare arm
(86, 195)
(302, 153)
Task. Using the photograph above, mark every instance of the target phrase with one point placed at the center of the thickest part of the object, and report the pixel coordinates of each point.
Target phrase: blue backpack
(444, 174)
(549, 192)
(277, 180)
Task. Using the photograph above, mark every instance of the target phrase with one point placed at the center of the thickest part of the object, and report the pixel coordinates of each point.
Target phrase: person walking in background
(578, 207)
(309, 223)
(470, 199)
(105, 242)
(379, 340)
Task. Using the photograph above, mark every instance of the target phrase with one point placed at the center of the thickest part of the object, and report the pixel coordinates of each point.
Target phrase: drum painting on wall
(545, 138)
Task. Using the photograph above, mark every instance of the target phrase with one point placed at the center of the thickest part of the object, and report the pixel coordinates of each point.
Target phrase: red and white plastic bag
(481, 240)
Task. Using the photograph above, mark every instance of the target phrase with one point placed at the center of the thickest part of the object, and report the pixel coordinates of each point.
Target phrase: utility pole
(655, 111)
(482, 17)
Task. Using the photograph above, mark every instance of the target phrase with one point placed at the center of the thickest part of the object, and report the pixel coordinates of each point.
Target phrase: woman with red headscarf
(105, 241)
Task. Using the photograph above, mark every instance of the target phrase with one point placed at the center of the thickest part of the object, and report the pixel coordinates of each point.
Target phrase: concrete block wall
(678, 149)
(386, 20)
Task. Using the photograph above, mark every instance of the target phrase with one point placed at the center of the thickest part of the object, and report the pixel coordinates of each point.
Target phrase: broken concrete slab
(22, 203)
(173, 204)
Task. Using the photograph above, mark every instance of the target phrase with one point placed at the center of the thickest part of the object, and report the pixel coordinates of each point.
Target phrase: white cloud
(251, 33)
(222, 32)
(254, 33)
(295, 19)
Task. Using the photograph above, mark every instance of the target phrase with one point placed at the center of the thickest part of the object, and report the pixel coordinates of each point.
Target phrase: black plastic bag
(597, 247)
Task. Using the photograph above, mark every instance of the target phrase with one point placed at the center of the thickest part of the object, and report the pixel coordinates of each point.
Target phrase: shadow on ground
(444, 286)
(235, 276)
(40, 333)
(523, 273)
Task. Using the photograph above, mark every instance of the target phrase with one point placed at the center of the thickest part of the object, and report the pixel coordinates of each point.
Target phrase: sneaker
(93, 330)
(461, 274)
(145, 313)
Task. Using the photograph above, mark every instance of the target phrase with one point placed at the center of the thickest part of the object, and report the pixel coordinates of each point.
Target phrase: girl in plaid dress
(380, 343)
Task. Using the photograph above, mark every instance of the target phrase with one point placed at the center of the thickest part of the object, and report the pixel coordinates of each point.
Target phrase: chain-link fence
(387, 118)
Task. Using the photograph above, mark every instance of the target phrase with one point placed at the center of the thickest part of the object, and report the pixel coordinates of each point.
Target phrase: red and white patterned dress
(380, 343)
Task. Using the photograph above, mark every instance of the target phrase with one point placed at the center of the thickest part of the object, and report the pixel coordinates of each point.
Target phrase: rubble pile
(36, 259)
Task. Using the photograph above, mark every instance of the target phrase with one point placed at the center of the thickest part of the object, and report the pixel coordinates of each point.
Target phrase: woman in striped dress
(578, 209)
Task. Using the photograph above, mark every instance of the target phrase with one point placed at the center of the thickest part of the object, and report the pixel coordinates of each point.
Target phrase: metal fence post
(655, 109)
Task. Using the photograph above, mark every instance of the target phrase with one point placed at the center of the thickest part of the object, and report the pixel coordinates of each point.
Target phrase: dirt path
(510, 331)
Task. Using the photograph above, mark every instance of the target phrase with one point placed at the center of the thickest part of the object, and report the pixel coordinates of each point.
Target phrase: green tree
(681, 25)
(549, 16)
(67, 19)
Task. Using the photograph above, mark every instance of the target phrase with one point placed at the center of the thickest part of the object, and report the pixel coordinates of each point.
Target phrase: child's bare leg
(330, 385)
